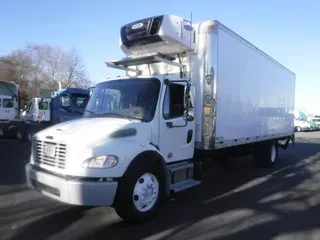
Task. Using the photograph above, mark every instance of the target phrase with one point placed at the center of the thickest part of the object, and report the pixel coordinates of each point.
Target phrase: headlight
(105, 161)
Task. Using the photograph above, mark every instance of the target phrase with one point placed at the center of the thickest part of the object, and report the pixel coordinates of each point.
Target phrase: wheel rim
(145, 193)
(273, 153)
(19, 135)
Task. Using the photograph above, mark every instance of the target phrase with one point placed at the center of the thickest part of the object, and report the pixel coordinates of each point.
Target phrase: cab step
(182, 176)
(183, 185)
(180, 166)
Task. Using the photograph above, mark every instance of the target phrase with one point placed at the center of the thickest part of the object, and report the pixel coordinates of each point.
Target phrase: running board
(182, 176)
(180, 166)
(186, 184)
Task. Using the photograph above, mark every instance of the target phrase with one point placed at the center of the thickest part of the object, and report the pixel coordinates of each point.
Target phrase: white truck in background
(9, 101)
(316, 119)
(192, 91)
(38, 110)
(9, 104)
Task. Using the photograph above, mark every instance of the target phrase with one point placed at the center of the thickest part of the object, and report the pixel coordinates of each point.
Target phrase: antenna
(189, 81)
(191, 34)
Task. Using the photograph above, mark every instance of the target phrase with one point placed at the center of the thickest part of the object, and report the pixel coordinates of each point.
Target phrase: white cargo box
(251, 97)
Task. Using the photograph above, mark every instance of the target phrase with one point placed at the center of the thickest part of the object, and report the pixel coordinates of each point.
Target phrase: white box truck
(9, 101)
(190, 90)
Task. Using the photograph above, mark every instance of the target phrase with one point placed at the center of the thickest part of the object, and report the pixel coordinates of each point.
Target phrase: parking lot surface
(236, 201)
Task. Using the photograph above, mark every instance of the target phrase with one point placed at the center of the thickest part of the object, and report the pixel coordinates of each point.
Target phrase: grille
(56, 159)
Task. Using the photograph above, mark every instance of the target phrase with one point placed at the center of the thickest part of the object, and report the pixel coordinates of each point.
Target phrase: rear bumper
(84, 193)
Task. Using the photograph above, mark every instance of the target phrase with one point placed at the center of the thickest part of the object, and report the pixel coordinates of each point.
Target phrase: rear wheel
(266, 154)
(140, 193)
(24, 135)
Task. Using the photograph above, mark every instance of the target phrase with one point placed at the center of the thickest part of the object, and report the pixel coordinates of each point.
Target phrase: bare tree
(75, 74)
(41, 66)
(16, 68)
(20, 66)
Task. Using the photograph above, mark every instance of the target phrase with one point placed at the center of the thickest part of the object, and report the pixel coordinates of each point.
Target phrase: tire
(266, 154)
(28, 136)
(24, 134)
(145, 178)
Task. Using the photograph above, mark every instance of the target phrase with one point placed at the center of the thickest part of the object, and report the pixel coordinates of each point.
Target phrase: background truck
(37, 110)
(9, 103)
(64, 105)
(59, 106)
(193, 91)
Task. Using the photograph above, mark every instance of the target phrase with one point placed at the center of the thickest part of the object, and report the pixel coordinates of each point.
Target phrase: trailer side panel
(255, 94)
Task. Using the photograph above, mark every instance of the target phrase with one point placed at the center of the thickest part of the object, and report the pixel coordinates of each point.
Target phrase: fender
(153, 155)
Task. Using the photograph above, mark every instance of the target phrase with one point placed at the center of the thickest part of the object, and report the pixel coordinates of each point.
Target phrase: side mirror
(14, 97)
(190, 118)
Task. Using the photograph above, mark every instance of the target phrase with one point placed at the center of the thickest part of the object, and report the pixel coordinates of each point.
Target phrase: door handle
(169, 124)
(189, 136)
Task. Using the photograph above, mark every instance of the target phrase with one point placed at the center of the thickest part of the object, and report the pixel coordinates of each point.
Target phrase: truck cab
(150, 106)
(64, 105)
(68, 104)
(8, 108)
(9, 101)
(135, 130)
(38, 110)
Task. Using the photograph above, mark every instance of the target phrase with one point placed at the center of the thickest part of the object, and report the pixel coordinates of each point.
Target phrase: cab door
(7, 110)
(177, 132)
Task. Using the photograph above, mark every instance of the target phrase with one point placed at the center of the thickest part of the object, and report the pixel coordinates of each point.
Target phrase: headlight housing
(104, 161)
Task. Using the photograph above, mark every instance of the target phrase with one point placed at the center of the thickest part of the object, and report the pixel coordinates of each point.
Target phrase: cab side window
(43, 105)
(64, 101)
(173, 106)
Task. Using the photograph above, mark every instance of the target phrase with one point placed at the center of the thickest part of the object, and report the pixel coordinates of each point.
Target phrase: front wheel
(140, 193)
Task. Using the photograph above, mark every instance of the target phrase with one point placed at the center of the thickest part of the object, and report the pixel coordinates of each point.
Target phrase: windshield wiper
(89, 111)
(92, 114)
(116, 115)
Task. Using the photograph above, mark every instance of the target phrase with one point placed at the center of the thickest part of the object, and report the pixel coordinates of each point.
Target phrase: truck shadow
(228, 196)
(14, 155)
(48, 226)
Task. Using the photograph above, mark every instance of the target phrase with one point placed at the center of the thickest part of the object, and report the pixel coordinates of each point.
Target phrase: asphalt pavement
(235, 201)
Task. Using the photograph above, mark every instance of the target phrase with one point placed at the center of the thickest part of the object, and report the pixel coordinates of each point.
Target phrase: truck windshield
(128, 98)
(7, 103)
(79, 100)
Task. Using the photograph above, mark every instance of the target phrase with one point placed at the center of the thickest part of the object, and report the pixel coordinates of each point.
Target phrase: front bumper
(74, 192)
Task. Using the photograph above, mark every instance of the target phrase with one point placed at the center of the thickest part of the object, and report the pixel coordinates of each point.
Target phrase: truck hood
(90, 130)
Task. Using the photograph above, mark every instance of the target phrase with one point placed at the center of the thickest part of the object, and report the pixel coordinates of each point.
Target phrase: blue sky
(288, 31)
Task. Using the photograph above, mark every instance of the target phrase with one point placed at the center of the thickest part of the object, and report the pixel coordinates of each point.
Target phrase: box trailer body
(191, 90)
(251, 96)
